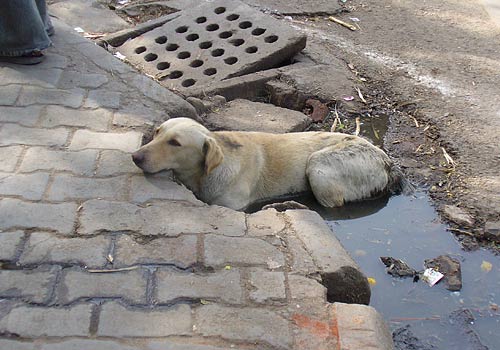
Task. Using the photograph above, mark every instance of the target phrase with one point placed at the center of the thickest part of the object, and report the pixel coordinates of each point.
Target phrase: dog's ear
(213, 155)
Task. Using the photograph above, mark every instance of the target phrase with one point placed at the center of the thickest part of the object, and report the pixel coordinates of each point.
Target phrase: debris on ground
(457, 215)
(463, 320)
(450, 268)
(492, 231)
(404, 339)
(432, 276)
(288, 205)
(342, 23)
(319, 110)
(486, 266)
(398, 268)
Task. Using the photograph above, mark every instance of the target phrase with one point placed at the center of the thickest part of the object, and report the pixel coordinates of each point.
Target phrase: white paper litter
(120, 55)
(432, 276)
(79, 30)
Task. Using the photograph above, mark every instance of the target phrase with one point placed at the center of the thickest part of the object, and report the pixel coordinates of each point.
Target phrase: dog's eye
(173, 142)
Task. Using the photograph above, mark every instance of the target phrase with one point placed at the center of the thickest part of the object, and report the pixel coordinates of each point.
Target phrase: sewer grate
(212, 42)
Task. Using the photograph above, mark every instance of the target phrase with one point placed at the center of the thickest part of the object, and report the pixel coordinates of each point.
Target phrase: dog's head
(179, 144)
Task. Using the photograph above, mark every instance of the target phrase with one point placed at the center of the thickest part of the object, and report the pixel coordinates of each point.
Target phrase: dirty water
(408, 228)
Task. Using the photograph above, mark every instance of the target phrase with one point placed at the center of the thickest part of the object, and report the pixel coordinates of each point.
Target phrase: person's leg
(44, 15)
(22, 29)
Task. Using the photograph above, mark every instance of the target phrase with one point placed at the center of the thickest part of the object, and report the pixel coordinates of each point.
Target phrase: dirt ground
(434, 67)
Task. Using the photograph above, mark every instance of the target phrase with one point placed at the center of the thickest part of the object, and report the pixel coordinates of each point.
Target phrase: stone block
(67, 187)
(221, 285)
(105, 99)
(9, 93)
(9, 156)
(178, 344)
(37, 95)
(220, 250)
(178, 251)
(7, 344)
(127, 285)
(118, 321)
(26, 116)
(116, 163)
(138, 117)
(9, 242)
(97, 119)
(97, 216)
(126, 142)
(302, 261)
(46, 248)
(267, 286)
(303, 288)
(246, 115)
(34, 322)
(243, 324)
(12, 134)
(89, 344)
(147, 187)
(45, 77)
(57, 217)
(28, 186)
(74, 79)
(265, 223)
(78, 162)
(32, 286)
(360, 327)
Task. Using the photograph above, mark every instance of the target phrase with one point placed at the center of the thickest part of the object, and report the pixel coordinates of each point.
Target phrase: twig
(114, 270)
(360, 95)
(449, 160)
(336, 120)
(416, 122)
(358, 126)
(457, 230)
(342, 23)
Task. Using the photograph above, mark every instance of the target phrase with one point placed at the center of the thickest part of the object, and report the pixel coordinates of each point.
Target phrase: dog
(234, 169)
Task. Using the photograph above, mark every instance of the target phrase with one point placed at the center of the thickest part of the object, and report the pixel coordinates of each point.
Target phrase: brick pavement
(96, 255)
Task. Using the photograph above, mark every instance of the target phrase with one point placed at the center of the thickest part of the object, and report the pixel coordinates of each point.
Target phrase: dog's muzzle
(138, 158)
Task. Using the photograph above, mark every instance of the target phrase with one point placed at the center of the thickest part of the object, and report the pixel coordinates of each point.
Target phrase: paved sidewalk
(94, 255)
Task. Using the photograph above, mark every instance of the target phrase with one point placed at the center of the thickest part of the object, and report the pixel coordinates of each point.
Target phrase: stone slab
(98, 119)
(9, 156)
(31, 95)
(144, 188)
(88, 344)
(9, 93)
(212, 42)
(297, 7)
(103, 98)
(30, 75)
(267, 286)
(67, 187)
(78, 162)
(28, 186)
(74, 79)
(12, 134)
(31, 286)
(9, 242)
(126, 142)
(112, 162)
(26, 116)
(246, 115)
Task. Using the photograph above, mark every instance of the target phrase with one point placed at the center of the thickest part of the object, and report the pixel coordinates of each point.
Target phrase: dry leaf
(372, 281)
(486, 266)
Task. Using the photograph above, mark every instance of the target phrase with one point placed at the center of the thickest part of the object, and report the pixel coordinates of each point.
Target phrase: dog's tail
(398, 183)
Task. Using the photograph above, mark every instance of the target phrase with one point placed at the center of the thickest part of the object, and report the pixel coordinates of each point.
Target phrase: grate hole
(196, 63)
(217, 52)
(161, 39)
(220, 10)
(237, 42)
(150, 57)
(251, 49)
(212, 27)
(233, 17)
(163, 65)
(258, 31)
(172, 47)
(210, 71)
(192, 37)
(271, 39)
(205, 45)
(182, 29)
(183, 55)
(225, 35)
(188, 82)
(140, 49)
(201, 20)
(245, 24)
(176, 74)
(231, 60)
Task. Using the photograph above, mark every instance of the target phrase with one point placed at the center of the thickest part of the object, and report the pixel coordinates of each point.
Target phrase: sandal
(33, 57)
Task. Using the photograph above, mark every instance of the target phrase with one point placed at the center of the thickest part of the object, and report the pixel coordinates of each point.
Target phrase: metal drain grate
(212, 42)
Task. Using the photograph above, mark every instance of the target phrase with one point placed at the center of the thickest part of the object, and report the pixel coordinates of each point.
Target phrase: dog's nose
(138, 158)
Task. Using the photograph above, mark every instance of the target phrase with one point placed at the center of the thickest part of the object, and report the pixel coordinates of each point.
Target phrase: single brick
(58, 217)
(302, 261)
(100, 98)
(9, 242)
(89, 344)
(33, 322)
(44, 248)
(222, 285)
(9, 157)
(67, 187)
(72, 79)
(79, 162)
(28, 186)
(33, 286)
(128, 285)
(6, 344)
(97, 119)
(11, 134)
(152, 220)
(45, 77)
(117, 321)
(178, 251)
(126, 142)
(265, 223)
(9, 93)
(302, 288)
(116, 163)
(245, 324)
(220, 250)
(27, 116)
(37, 95)
(137, 116)
(267, 286)
(144, 188)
